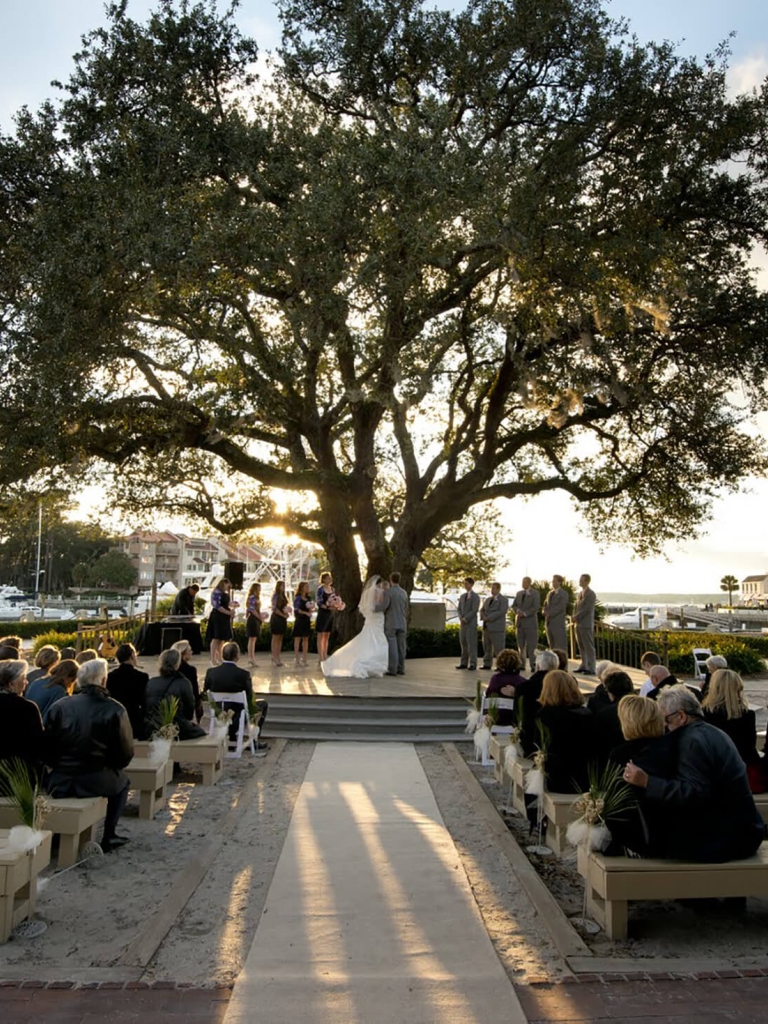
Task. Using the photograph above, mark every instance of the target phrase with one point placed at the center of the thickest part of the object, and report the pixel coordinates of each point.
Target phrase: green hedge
(30, 630)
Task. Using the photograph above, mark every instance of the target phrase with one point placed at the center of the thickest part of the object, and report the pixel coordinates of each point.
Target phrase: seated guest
(599, 698)
(9, 654)
(607, 725)
(89, 654)
(637, 827)
(46, 690)
(68, 653)
(229, 678)
(659, 678)
(713, 664)
(45, 659)
(89, 743)
(725, 707)
(184, 602)
(528, 693)
(11, 641)
(128, 684)
(562, 659)
(568, 732)
(505, 681)
(171, 683)
(21, 727)
(713, 817)
(184, 647)
(648, 660)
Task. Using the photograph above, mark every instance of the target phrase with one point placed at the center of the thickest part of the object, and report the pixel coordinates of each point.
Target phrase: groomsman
(494, 619)
(584, 617)
(526, 609)
(555, 607)
(469, 605)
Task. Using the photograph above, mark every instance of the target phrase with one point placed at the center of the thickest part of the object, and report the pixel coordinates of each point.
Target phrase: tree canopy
(420, 261)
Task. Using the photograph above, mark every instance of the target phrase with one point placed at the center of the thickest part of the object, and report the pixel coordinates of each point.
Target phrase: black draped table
(150, 636)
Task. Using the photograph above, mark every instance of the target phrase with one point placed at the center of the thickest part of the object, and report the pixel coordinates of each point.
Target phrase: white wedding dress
(366, 654)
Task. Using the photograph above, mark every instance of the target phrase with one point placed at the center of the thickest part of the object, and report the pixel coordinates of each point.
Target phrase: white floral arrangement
(607, 797)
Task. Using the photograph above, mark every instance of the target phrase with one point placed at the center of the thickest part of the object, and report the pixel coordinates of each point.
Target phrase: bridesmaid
(324, 621)
(253, 620)
(220, 619)
(279, 620)
(302, 624)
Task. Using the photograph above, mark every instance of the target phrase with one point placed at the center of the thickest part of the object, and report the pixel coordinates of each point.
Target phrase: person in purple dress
(302, 624)
(324, 621)
(504, 682)
(253, 620)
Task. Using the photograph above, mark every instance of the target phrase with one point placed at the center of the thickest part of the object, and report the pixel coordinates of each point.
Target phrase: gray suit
(555, 607)
(526, 609)
(494, 617)
(395, 628)
(469, 606)
(584, 617)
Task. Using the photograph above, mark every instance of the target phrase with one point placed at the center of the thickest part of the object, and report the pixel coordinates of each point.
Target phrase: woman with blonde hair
(566, 731)
(725, 706)
(642, 825)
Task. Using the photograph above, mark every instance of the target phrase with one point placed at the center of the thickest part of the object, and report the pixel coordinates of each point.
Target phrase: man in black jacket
(128, 685)
(89, 742)
(184, 602)
(715, 818)
(229, 678)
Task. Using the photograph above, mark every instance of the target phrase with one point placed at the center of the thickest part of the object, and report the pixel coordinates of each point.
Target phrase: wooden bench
(497, 748)
(761, 803)
(150, 779)
(207, 751)
(613, 881)
(18, 882)
(72, 819)
(560, 811)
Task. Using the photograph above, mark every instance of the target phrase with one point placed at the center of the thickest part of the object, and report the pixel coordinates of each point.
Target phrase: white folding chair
(700, 655)
(244, 728)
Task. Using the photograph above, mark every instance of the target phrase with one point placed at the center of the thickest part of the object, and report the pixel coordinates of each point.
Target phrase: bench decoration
(475, 710)
(482, 737)
(223, 719)
(166, 732)
(607, 797)
(29, 801)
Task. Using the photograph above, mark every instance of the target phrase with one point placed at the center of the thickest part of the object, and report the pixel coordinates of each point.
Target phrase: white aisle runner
(370, 918)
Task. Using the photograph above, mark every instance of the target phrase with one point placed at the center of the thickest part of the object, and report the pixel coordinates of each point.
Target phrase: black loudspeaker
(234, 573)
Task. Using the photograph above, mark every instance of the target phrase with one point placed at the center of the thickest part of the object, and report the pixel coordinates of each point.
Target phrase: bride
(366, 654)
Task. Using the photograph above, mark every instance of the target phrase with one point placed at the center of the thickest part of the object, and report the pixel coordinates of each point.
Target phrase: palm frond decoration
(20, 785)
(165, 719)
(536, 777)
(608, 797)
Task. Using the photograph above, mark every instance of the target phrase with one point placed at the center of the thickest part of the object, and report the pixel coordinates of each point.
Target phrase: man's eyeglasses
(667, 717)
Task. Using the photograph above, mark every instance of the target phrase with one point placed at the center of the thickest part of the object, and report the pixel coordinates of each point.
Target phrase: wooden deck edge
(565, 938)
(143, 947)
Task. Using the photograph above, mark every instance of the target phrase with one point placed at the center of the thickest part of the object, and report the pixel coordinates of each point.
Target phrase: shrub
(56, 639)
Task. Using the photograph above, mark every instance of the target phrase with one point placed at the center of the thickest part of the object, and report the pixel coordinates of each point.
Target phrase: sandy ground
(95, 910)
(699, 930)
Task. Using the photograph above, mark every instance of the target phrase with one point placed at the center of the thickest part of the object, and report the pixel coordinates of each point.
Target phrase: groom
(395, 625)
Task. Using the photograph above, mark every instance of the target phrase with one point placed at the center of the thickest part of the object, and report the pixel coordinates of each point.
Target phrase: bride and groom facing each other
(379, 648)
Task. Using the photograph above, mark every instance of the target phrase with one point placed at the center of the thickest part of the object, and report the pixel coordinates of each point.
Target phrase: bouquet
(311, 606)
(335, 603)
(264, 616)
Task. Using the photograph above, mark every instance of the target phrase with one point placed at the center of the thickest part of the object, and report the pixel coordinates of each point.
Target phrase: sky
(37, 40)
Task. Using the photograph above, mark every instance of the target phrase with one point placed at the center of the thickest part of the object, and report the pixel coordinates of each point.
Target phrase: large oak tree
(419, 261)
